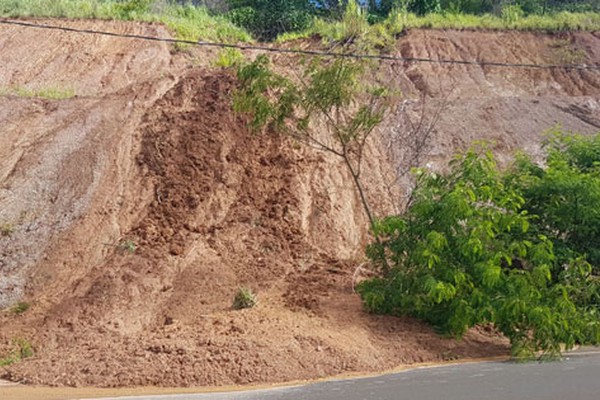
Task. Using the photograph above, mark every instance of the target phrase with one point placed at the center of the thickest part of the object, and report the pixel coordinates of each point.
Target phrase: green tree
(422, 7)
(465, 253)
(565, 194)
(328, 107)
(266, 19)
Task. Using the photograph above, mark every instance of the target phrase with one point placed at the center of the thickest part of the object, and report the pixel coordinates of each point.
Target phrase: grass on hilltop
(193, 23)
(186, 21)
(353, 25)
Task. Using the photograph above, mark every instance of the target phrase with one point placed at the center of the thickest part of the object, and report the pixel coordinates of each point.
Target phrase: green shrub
(6, 229)
(128, 246)
(423, 7)
(229, 58)
(267, 19)
(512, 13)
(20, 307)
(354, 30)
(130, 9)
(244, 298)
(22, 350)
(565, 195)
(470, 250)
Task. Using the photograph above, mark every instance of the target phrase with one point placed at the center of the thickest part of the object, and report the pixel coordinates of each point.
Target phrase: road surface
(577, 377)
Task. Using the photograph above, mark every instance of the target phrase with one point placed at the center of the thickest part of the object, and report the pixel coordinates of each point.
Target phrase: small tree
(327, 108)
(565, 194)
(267, 19)
(465, 253)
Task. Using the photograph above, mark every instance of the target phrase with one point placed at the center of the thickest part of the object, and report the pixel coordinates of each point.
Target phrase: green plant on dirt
(20, 308)
(130, 9)
(565, 195)
(327, 107)
(468, 251)
(22, 349)
(48, 93)
(6, 229)
(354, 29)
(128, 246)
(229, 58)
(244, 298)
(188, 22)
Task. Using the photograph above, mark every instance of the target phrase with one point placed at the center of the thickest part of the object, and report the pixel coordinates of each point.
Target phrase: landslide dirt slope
(149, 152)
(508, 107)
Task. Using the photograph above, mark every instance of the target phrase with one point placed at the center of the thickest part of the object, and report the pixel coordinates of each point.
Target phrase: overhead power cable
(315, 53)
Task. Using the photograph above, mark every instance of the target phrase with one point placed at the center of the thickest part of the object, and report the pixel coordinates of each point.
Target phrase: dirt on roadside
(140, 205)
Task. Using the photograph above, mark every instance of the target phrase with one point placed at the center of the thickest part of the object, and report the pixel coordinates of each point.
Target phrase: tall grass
(397, 21)
(186, 21)
(561, 21)
(354, 29)
(196, 23)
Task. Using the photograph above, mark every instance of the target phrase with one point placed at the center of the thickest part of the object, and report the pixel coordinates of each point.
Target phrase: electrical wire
(314, 53)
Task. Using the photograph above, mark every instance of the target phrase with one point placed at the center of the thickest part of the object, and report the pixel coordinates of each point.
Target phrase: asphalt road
(577, 377)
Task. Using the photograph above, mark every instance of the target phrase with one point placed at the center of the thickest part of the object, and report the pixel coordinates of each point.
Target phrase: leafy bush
(354, 28)
(266, 19)
(512, 13)
(565, 195)
(20, 307)
(229, 58)
(328, 107)
(129, 9)
(244, 298)
(422, 7)
(22, 349)
(468, 251)
(6, 229)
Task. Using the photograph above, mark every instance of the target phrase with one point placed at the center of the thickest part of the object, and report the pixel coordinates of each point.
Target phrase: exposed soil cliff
(139, 206)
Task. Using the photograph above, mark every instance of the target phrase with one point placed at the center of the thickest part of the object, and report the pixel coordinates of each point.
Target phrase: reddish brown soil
(155, 156)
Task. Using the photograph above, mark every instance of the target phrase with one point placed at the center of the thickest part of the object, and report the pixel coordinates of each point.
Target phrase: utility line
(316, 53)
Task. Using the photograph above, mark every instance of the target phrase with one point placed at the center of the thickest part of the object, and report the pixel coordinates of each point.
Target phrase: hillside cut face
(132, 211)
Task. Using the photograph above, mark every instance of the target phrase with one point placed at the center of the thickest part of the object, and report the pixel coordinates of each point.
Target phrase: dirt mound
(138, 207)
(224, 213)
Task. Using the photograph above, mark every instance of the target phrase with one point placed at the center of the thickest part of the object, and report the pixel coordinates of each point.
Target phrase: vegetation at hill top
(246, 20)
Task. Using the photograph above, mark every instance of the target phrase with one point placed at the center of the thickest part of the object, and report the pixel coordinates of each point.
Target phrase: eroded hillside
(138, 206)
